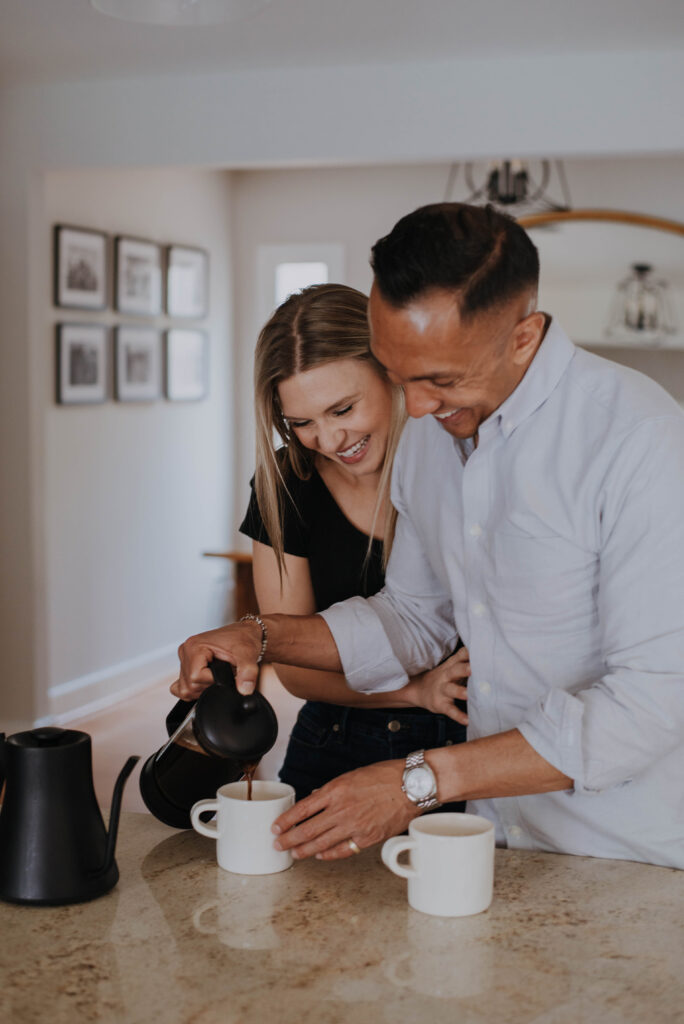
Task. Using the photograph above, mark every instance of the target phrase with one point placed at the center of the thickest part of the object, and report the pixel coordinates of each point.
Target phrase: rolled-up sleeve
(404, 629)
(610, 732)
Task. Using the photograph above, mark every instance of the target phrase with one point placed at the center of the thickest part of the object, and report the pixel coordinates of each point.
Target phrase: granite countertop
(567, 940)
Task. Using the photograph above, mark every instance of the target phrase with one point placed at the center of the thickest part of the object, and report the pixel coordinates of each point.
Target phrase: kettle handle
(2, 761)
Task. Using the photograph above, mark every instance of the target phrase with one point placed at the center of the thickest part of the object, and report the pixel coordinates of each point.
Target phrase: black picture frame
(137, 276)
(81, 268)
(186, 377)
(187, 282)
(137, 364)
(81, 363)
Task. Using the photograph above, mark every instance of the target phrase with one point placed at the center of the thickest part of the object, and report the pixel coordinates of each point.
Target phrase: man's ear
(527, 336)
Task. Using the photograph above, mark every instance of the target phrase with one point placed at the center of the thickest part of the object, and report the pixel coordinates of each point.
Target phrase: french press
(212, 741)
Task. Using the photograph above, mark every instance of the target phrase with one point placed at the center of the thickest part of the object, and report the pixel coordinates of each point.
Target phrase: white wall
(132, 493)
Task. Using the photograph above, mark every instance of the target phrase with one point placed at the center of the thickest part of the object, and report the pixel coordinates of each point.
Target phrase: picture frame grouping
(146, 364)
(149, 278)
(145, 279)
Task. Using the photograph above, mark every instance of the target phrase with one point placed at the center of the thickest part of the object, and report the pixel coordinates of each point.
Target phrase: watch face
(419, 783)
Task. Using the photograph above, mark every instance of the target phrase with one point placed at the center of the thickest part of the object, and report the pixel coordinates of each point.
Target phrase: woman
(322, 528)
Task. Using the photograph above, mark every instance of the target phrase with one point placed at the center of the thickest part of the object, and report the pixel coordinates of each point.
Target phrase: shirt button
(515, 832)
(394, 726)
(336, 727)
(479, 609)
(485, 687)
(475, 530)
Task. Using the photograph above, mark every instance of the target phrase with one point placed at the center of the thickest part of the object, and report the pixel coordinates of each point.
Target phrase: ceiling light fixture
(180, 12)
(517, 187)
(641, 312)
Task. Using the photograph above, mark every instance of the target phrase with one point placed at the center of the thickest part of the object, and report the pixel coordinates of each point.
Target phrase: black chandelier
(517, 187)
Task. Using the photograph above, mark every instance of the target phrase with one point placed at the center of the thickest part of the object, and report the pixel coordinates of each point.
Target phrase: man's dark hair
(483, 255)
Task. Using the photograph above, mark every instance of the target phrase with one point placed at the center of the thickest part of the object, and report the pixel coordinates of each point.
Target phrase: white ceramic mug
(242, 830)
(451, 863)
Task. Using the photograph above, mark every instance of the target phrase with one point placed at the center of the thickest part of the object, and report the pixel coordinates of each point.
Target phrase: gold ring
(352, 846)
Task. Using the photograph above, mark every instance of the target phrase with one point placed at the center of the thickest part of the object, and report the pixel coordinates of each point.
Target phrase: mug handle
(392, 849)
(197, 918)
(199, 826)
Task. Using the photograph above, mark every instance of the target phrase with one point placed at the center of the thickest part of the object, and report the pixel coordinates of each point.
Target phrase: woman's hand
(437, 689)
(239, 643)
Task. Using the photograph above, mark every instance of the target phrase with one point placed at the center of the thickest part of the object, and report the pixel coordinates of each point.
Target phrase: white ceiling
(50, 40)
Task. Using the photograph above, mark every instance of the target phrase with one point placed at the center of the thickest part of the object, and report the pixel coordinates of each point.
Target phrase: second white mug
(242, 830)
(451, 869)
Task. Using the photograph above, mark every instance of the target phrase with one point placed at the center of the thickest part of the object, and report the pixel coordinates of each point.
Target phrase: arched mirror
(613, 279)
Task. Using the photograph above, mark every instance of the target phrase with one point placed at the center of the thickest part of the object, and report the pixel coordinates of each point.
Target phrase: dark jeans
(328, 740)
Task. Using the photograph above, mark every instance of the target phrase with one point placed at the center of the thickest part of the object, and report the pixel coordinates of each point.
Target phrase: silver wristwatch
(419, 782)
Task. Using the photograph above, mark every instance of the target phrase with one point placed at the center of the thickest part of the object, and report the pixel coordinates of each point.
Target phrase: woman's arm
(435, 690)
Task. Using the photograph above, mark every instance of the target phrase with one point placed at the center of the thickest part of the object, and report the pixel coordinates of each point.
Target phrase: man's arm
(293, 595)
(368, 805)
(409, 625)
(292, 639)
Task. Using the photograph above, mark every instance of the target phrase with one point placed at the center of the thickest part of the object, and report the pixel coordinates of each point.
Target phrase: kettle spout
(115, 811)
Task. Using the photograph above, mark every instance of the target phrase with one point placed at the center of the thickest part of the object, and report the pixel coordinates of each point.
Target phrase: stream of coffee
(250, 770)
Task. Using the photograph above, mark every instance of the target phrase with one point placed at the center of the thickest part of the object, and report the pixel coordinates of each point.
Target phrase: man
(540, 493)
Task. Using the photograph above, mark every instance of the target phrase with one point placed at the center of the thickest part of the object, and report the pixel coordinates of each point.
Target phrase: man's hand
(437, 689)
(239, 643)
(366, 806)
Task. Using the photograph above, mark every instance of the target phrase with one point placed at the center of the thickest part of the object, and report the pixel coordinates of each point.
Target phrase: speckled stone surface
(567, 940)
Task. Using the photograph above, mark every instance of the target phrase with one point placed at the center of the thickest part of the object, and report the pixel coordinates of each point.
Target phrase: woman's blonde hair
(318, 325)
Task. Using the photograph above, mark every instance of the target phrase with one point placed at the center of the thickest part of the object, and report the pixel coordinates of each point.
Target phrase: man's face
(457, 371)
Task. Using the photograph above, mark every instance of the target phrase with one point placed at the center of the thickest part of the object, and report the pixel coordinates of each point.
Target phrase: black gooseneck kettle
(212, 741)
(54, 847)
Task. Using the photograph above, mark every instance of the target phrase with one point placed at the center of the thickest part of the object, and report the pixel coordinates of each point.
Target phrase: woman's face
(342, 411)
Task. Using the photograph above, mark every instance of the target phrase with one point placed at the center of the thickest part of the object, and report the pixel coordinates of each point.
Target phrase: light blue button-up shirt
(555, 549)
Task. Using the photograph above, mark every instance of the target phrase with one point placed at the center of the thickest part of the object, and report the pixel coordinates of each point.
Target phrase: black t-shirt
(315, 528)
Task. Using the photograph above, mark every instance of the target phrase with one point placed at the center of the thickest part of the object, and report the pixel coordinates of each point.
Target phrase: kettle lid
(47, 736)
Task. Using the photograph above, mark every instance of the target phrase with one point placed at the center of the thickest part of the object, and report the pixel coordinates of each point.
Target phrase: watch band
(417, 760)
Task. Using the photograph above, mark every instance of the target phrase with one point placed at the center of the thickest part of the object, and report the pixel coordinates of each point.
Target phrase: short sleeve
(295, 526)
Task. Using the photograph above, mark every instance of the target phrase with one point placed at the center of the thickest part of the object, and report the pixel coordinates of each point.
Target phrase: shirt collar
(543, 374)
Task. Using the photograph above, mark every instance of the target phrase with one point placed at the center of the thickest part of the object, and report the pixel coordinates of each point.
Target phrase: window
(292, 277)
(284, 269)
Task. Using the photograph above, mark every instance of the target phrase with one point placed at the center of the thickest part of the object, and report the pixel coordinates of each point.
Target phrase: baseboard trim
(99, 690)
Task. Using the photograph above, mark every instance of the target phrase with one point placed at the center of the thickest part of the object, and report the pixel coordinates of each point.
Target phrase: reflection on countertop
(566, 940)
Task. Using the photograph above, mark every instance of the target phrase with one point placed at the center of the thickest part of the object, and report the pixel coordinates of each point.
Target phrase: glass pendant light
(642, 312)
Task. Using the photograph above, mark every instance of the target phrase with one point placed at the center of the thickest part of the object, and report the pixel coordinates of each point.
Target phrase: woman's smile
(355, 452)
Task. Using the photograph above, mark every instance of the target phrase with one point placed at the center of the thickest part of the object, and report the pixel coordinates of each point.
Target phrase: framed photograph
(137, 364)
(80, 268)
(137, 276)
(81, 363)
(187, 282)
(187, 365)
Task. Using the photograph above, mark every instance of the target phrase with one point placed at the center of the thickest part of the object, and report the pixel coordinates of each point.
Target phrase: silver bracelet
(264, 633)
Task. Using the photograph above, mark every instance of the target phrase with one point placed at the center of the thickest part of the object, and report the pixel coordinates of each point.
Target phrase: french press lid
(227, 723)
